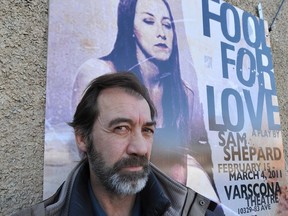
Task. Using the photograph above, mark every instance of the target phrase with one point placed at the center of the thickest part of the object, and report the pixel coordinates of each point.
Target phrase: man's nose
(138, 144)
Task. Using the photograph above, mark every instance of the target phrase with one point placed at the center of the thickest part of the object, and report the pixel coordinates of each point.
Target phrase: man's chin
(132, 176)
(129, 187)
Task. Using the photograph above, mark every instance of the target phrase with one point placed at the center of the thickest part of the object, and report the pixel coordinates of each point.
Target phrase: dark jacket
(161, 196)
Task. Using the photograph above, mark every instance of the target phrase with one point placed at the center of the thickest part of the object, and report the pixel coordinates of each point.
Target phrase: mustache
(131, 161)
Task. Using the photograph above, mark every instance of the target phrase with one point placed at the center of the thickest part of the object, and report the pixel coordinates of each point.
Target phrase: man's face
(122, 139)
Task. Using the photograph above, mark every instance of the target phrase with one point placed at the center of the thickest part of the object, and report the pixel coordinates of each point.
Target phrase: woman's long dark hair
(123, 56)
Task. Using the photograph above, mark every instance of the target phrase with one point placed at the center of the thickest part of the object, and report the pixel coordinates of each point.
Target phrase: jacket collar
(80, 203)
(153, 200)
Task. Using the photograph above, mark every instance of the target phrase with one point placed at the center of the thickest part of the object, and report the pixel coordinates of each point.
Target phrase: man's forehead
(122, 91)
(118, 94)
(117, 101)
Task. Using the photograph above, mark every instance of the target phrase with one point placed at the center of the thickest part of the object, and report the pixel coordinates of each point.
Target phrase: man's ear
(81, 142)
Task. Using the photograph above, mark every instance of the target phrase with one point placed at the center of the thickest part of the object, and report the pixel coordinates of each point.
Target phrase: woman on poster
(146, 45)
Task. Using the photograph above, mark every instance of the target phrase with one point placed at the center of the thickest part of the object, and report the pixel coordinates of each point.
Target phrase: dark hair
(87, 110)
(123, 56)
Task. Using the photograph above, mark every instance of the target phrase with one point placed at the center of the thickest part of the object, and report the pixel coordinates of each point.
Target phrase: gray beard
(115, 181)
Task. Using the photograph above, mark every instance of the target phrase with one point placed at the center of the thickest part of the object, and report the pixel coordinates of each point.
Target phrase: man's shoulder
(56, 203)
(169, 185)
(184, 198)
(39, 208)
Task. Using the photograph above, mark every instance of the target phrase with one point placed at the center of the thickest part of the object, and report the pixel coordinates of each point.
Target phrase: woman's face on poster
(153, 29)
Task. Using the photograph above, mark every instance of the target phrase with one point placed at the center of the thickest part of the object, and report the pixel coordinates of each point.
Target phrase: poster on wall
(208, 68)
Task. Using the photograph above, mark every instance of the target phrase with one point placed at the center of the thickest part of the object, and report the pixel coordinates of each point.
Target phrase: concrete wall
(23, 53)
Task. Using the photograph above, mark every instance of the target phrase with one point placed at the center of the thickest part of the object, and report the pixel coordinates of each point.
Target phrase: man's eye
(149, 131)
(121, 129)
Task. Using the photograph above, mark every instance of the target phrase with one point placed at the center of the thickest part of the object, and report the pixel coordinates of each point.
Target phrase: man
(114, 126)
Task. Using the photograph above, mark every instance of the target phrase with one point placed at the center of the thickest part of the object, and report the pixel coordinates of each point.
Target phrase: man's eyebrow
(150, 123)
(127, 120)
(119, 120)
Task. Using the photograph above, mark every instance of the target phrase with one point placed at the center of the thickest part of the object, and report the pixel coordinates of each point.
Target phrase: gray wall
(23, 53)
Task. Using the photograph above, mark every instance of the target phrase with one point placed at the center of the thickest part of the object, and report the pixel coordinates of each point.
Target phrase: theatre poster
(225, 60)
